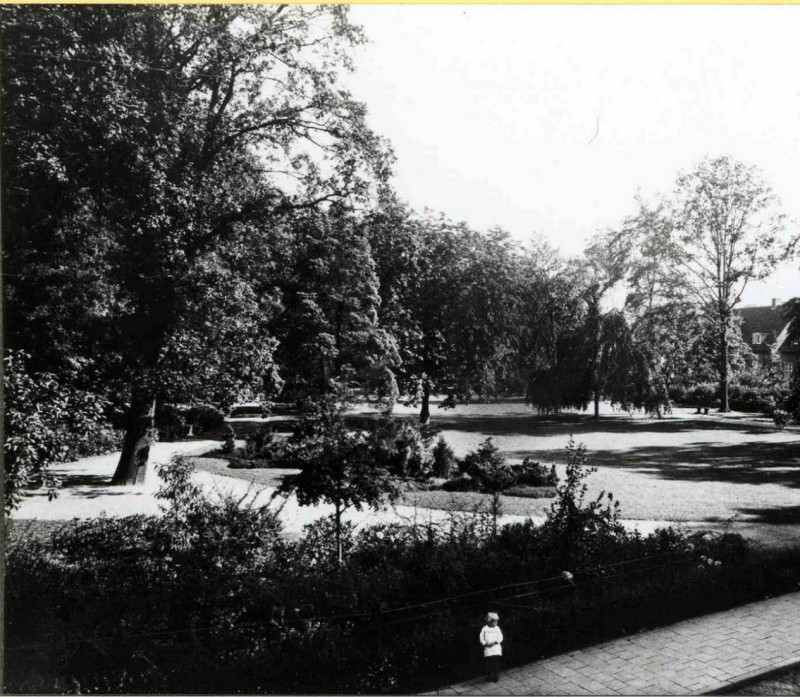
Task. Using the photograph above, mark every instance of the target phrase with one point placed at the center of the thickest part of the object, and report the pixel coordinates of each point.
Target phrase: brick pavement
(695, 656)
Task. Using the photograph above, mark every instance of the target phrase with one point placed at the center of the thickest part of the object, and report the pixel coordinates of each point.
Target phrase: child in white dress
(492, 642)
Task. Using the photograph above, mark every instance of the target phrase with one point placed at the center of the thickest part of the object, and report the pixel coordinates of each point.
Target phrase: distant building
(766, 331)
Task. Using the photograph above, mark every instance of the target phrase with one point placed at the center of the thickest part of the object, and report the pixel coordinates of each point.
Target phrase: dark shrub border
(212, 598)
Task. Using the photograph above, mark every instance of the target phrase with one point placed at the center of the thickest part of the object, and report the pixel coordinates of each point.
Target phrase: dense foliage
(196, 212)
(155, 159)
(46, 421)
(210, 597)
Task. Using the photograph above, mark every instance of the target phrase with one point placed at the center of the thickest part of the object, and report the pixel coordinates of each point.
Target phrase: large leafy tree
(486, 337)
(150, 153)
(331, 341)
(720, 231)
(419, 262)
(451, 299)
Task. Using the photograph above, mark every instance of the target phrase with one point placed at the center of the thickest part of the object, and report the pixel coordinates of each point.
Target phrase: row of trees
(195, 209)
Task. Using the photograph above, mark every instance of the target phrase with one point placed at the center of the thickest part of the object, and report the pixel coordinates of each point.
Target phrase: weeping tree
(167, 144)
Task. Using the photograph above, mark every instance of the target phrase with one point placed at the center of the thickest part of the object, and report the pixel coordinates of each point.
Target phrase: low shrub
(751, 398)
(444, 459)
(262, 445)
(401, 447)
(462, 482)
(534, 474)
(483, 461)
(228, 440)
(244, 410)
(531, 492)
(210, 598)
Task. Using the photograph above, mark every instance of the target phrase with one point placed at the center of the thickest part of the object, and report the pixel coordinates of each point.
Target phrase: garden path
(697, 656)
(87, 493)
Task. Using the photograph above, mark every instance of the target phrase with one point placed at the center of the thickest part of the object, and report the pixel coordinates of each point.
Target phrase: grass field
(734, 470)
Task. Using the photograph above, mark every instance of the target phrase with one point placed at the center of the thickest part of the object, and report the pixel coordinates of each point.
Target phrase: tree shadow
(574, 424)
(779, 515)
(69, 481)
(753, 462)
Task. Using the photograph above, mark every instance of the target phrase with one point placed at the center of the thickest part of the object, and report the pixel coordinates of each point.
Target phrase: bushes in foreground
(47, 421)
(211, 598)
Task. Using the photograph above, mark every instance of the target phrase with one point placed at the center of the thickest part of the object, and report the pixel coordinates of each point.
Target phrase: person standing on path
(492, 640)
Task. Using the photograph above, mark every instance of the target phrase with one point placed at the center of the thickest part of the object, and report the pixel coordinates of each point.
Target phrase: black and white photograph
(441, 349)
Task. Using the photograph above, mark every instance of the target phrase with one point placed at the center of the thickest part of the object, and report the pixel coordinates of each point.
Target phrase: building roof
(769, 320)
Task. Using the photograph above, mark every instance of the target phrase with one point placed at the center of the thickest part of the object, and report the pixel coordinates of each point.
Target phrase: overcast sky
(548, 119)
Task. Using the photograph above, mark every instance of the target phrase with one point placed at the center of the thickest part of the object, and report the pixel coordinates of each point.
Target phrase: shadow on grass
(575, 424)
(100, 485)
(778, 515)
(753, 462)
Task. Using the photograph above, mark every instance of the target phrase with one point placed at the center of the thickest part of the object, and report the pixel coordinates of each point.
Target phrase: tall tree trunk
(132, 466)
(596, 403)
(425, 412)
(723, 369)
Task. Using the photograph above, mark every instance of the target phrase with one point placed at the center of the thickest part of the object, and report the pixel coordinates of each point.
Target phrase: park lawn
(271, 477)
(475, 501)
(732, 471)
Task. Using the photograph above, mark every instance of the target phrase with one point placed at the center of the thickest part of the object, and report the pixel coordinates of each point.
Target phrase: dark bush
(208, 598)
(228, 440)
(262, 446)
(756, 398)
(444, 459)
(703, 395)
(401, 447)
(462, 482)
(530, 473)
(791, 402)
(679, 394)
(204, 418)
(480, 463)
(531, 492)
(170, 422)
(45, 422)
(245, 410)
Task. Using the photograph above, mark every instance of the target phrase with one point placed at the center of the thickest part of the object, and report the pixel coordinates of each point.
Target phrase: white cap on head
(492, 616)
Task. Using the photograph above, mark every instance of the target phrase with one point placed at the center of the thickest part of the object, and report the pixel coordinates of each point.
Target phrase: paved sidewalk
(696, 656)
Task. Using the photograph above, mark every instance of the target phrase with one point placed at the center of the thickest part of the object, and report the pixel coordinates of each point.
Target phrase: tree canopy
(158, 149)
(720, 230)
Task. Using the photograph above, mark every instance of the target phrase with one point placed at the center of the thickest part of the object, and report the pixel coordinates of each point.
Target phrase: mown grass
(263, 476)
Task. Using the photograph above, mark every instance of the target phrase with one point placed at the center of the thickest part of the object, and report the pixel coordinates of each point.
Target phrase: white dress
(489, 635)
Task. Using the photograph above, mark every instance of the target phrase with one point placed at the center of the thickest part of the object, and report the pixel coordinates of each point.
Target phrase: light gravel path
(88, 493)
(714, 471)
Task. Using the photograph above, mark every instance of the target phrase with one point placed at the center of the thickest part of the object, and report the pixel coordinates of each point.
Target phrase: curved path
(87, 493)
